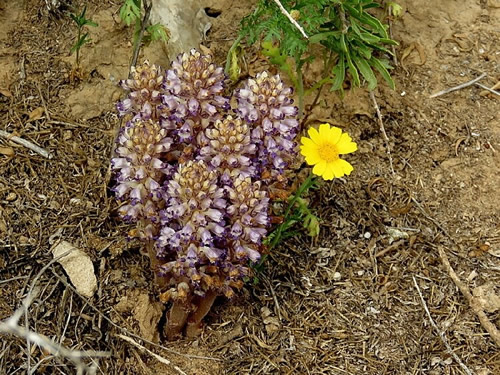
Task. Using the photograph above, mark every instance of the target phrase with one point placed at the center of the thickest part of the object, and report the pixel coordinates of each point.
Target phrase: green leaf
(366, 71)
(156, 32)
(343, 44)
(368, 20)
(91, 23)
(75, 18)
(130, 11)
(316, 38)
(353, 71)
(382, 68)
(311, 224)
(338, 73)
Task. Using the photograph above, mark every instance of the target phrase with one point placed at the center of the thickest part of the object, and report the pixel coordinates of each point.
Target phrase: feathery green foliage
(131, 12)
(354, 41)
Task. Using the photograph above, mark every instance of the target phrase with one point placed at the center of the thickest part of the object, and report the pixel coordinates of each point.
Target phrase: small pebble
(337, 276)
(367, 235)
(361, 273)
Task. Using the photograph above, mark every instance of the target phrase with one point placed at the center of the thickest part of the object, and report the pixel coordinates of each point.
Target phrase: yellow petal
(328, 175)
(311, 155)
(307, 141)
(324, 130)
(312, 159)
(313, 133)
(334, 135)
(337, 169)
(309, 150)
(319, 168)
(346, 145)
(346, 167)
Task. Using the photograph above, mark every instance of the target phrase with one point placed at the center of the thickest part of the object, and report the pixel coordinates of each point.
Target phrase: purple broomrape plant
(267, 104)
(144, 88)
(195, 177)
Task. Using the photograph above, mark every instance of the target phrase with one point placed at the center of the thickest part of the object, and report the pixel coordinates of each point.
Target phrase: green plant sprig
(344, 27)
(81, 22)
(137, 12)
(296, 211)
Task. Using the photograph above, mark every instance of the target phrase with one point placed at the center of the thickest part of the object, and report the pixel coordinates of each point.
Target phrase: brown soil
(343, 303)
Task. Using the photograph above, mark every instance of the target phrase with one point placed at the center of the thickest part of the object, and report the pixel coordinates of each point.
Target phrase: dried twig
(26, 144)
(440, 333)
(459, 87)
(490, 89)
(295, 23)
(47, 114)
(473, 302)
(11, 326)
(154, 355)
(382, 129)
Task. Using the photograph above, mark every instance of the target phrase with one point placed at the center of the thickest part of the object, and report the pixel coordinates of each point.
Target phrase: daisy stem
(279, 231)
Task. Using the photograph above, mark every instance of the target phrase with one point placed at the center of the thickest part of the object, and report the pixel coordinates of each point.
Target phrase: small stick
(493, 91)
(393, 48)
(147, 10)
(440, 333)
(295, 23)
(463, 85)
(26, 144)
(154, 355)
(473, 302)
(47, 114)
(382, 129)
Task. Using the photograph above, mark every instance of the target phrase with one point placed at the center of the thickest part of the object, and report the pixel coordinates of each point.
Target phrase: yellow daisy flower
(322, 149)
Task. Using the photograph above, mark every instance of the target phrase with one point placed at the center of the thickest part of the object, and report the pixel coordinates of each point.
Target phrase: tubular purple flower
(145, 87)
(229, 148)
(139, 171)
(248, 211)
(193, 88)
(267, 103)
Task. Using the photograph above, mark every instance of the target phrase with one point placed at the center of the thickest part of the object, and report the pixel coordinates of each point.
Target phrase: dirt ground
(344, 303)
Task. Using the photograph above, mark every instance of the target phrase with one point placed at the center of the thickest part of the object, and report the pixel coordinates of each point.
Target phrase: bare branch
(473, 303)
(382, 129)
(463, 85)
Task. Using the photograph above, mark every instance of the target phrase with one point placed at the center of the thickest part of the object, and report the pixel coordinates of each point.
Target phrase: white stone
(186, 22)
(78, 267)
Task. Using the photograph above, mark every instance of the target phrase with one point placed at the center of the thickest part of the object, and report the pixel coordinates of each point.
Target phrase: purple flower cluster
(189, 170)
(145, 88)
(266, 103)
(193, 90)
(139, 167)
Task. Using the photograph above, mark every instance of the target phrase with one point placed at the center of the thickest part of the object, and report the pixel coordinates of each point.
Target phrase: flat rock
(78, 267)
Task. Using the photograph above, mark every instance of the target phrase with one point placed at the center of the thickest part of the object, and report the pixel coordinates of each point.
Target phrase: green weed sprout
(81, 39)
(353, 42)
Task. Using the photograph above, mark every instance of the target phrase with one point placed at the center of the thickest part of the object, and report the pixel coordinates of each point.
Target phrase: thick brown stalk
(205, 303)
(177, 317)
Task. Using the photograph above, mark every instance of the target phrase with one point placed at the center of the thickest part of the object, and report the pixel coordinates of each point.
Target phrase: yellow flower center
(328, 152)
